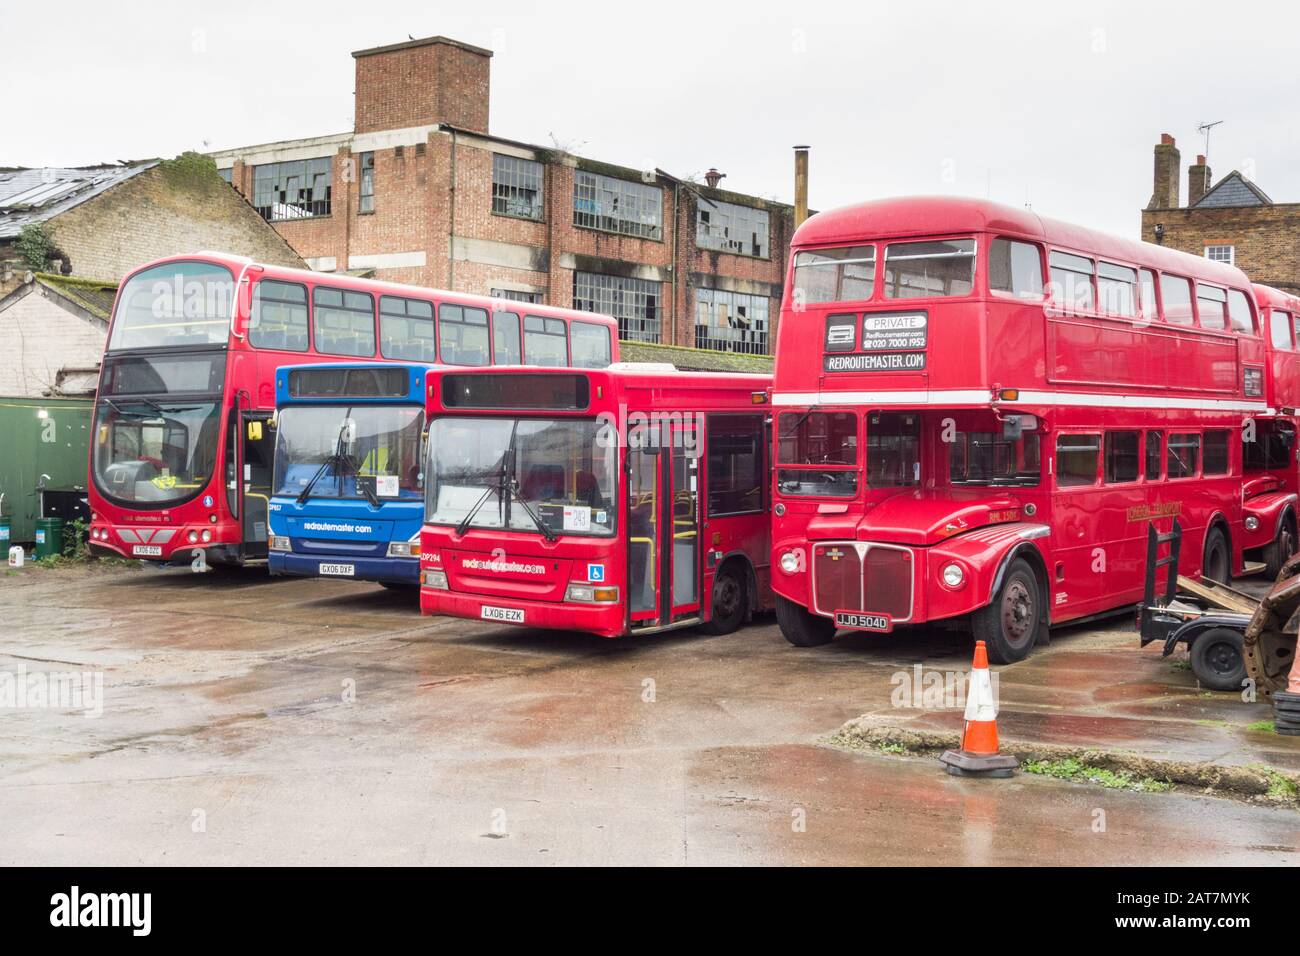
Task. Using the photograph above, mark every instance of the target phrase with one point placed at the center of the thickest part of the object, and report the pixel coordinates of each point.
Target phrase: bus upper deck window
(846, 274)
(1016, 267)
(919, 270)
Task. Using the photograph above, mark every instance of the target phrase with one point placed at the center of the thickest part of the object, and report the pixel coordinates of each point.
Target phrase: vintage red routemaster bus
(979, 412)
(625, 500)
(181, 455)
(1269, 466)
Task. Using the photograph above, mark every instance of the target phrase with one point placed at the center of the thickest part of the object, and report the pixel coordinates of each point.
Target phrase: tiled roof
(35, 195)
(1234, 189)
(92, 295)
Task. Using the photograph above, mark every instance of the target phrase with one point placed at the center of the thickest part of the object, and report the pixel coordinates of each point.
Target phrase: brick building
(420, 191)
(103, 221)
(1232, 220)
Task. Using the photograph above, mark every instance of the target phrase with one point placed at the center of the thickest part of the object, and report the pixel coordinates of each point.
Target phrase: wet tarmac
(250, 720)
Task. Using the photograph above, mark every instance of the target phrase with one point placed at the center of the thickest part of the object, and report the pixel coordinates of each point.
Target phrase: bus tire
(1280, 548)
(730, 599)
(1217, 563)
(1218, 660)
(800, 626)
(1009, 624)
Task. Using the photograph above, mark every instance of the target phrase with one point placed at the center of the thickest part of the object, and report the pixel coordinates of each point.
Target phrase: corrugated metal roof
(1234, 189)
(35, 195)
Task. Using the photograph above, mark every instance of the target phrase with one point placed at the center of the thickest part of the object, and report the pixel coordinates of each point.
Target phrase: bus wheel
(1009, 624)
(1281, 548)
(1218, 659)
(1216, 564)
(801, 627)
(730, 600)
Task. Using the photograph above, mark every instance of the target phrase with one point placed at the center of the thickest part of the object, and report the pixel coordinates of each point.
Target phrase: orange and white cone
(978, 756)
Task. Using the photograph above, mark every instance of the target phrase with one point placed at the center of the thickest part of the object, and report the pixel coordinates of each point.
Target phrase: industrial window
(1117, 289)
(463, 335)
(728, 227)
(1016, 267)
(1216, 452)
(226, 173)
(1226, 254)
(1176, 295)
(919, 270)
(1279, 325)
(893, 450)
(366, 179)
(1121, 457)
(279, 319)
(1212, 305)
(1184, 452)
(297, 190)
(505, 339)
(634, 302)
(1154, 452)
(735, 460)
(344, 321)
(1239, 312)
(1071, 281)
(546, 341)
(406, 329)
(847, 274)
(516, 295)
(616, 205)
(1076, 460)
(516, 187)
(589, 345)
(731, 321)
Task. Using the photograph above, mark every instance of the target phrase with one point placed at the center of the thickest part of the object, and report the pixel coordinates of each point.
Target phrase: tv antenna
(1205, 129)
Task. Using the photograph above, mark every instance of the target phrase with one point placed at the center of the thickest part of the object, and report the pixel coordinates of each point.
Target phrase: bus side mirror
(254, 431)
(1012, 428)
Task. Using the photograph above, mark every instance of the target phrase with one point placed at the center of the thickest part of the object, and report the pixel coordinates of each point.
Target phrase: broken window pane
(731, 321)
(634, 302)
(616, 205)
(516, 187)
(296, 190)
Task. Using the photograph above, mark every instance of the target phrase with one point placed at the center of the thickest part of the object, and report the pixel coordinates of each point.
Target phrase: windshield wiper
(335, 459)
(463, 526)
(512, 483)
(798, 421)
(547, 532)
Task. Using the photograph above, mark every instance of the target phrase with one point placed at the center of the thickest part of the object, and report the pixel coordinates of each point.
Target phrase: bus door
(255, 463)
(663, 577)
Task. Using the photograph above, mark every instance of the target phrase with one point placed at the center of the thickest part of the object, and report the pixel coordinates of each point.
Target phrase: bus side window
(1150, 308)
(1184, 455)
(1154, 453)
(1077, 458)
(1121, 457)
(1239, 312)
(1280, 329)
(505, 339)
(1072, 281)
(1016, 267)
(1215, 461)
(736, 474)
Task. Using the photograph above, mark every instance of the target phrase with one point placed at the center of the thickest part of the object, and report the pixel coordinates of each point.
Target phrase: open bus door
(663, 496)
(257, 440)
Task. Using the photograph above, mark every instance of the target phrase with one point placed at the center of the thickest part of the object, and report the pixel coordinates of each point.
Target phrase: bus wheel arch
(1216, 552)
(736, 586)
(987, 622)
(1283, 545)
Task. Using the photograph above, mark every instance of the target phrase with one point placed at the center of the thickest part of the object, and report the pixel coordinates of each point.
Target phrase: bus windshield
(515, 473)
(177, 303)
(370, 452)
(986, 457)
(154, 451)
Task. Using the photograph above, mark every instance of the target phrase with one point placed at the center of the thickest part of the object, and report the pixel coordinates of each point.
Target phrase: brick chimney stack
(420, 83)
(1167, 166)
(1198, 181)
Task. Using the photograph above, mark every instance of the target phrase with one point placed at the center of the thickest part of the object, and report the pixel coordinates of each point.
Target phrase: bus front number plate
(511, 615)
(147, 550)
(863, 622)
(339, 570)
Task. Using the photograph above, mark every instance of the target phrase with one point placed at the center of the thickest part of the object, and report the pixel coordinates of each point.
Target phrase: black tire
(1217, 659)
(1281, 548)
(1217, 563)
(730, 599)
(801, 627)
(1010, 623)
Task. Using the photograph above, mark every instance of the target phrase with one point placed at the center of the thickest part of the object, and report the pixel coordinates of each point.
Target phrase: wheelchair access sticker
(595, 573)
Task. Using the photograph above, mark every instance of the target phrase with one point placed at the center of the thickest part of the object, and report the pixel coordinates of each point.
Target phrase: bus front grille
(857, 576)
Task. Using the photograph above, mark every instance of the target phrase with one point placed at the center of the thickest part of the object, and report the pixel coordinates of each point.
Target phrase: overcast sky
(1056, 105)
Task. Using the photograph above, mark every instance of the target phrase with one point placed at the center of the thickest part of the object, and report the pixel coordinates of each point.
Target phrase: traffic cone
(979, 755)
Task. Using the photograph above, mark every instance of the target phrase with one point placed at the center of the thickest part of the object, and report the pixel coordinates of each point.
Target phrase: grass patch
(1213, 723)
(887, 748)
(1071, 768)
(1265, 725)
(1280, 786)
(1181, 665)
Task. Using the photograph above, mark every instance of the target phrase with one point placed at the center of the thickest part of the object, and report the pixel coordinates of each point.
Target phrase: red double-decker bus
(624, 500)
(181, 455)
(1269, 467)
(980, 411)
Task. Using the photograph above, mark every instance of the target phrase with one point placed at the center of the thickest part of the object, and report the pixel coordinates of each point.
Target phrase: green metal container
(49, 537)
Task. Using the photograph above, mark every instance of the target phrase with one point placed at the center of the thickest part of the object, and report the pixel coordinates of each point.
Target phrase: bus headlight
(790, 562)
(280, 542)
(953, 575)
(207, 535)
(193, 537)
(404, 549)
(436, 579)
(591, 594)
(1252, 523)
